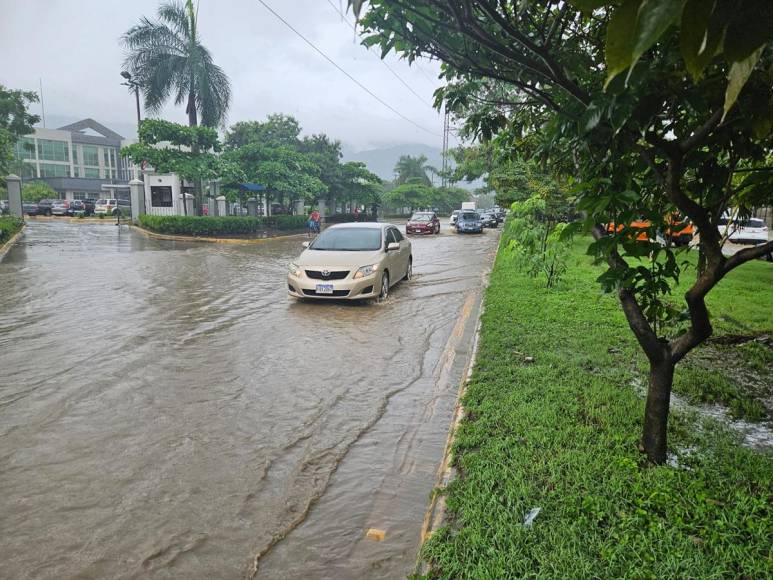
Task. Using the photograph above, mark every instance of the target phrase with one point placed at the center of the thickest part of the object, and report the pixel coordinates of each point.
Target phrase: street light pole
(136, 86)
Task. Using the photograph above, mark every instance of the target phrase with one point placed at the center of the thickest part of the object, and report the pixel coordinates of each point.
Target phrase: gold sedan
(351, 261)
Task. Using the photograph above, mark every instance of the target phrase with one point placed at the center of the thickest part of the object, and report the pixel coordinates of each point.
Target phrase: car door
(403, 253)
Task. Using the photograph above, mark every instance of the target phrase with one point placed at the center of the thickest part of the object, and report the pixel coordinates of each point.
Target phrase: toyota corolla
(351, 261)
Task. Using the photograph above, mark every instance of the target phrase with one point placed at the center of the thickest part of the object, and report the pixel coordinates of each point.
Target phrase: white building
(77, 159)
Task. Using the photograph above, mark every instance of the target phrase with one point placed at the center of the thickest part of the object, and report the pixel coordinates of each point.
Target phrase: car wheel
(409, 270)
(384, 293)
(437, 229)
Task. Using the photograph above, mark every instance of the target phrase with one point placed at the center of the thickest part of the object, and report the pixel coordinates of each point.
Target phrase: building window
(53, 150)
(161, 196)
(25, 148)
(54, 170)
(91, 172)
(90, 155)
(80, 195)
(75, 154)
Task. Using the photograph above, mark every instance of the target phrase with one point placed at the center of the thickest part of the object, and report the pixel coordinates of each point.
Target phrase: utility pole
(446, 130)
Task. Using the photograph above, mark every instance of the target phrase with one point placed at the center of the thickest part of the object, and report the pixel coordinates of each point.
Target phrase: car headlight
(365, 271)
(294, 269)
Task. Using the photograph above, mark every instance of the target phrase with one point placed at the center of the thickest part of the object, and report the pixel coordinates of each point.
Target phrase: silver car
(352, 261)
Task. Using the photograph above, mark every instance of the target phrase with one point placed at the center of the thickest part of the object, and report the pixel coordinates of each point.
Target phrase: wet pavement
(167, 412)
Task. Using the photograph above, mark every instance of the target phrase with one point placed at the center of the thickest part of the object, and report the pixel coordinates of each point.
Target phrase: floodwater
(167, 412)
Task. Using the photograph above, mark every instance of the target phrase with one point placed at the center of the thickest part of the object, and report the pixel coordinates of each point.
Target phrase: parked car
(113, 207)
(81, 207)
(489, 220)
(423, 222)
(744, 231)
(45, 206)
(60, 207)
(353, 261)
(29, 208)
(454, 217)
(469, 221)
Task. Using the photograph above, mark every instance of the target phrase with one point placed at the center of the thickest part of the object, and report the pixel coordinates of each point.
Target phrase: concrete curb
(236, 241)
(6, 247)
(434, 517)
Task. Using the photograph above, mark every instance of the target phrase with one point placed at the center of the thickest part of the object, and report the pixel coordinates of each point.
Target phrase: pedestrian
(356, 213)
(314, 219)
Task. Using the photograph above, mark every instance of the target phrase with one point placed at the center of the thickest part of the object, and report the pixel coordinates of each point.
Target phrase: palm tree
(412, 168)
(166, 58)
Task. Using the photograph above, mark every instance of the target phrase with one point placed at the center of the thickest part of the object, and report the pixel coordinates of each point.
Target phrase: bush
(220, 226)
(8, 227)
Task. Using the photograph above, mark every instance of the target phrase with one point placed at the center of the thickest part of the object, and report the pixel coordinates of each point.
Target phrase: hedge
(220, 226)
(8, 227)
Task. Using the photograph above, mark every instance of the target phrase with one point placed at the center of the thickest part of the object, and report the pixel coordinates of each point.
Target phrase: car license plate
(324, 288)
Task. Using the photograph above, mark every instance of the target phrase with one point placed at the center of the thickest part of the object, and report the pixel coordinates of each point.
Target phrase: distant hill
(382, 161)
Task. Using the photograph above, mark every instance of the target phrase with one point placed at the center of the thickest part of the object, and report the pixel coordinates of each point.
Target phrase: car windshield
(348, 240)
(421, 217)
(753, 223)
(101, 201)
(468, 216)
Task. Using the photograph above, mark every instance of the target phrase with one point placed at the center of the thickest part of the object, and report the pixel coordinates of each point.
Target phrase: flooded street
(166, 411)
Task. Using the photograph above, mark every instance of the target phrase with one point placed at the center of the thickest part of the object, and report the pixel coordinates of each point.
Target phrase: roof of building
(84, 124)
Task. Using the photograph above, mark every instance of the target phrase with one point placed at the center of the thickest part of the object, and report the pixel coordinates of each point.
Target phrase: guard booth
(165, 194)
(253, 197)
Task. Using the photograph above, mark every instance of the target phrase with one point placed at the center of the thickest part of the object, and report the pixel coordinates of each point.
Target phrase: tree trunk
(654, 438)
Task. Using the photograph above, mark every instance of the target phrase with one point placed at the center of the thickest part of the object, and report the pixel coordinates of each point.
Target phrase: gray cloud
(73, 46)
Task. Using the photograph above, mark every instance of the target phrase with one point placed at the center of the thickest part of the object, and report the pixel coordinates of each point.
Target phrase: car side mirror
(393, 246)
(306, 244)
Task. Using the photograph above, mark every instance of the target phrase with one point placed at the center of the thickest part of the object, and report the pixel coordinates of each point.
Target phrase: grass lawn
(561, 433)
(8, 227)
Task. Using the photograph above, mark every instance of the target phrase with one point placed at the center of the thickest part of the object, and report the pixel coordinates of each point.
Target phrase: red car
(423, 222)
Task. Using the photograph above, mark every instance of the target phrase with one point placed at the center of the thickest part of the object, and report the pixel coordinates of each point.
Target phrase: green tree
(412, 194)
(191, 153)
(695, 105)
(359, 185)
(167, 59)
(15, 122)
(276, 130)
(410, 168)
(34, 191)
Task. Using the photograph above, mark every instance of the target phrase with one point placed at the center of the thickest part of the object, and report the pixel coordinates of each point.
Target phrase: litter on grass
(529, 520)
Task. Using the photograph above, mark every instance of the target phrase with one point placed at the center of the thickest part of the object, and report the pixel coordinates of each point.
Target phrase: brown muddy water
(167, 412)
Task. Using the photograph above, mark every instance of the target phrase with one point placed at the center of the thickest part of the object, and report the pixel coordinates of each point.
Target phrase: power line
(389, 68)
(354, 80)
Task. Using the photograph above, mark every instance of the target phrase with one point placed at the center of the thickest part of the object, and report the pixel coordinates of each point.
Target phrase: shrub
(220, 226)
(8, 227)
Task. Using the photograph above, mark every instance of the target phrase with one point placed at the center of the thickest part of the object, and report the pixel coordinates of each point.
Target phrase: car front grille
(319, 275)
(335, 294)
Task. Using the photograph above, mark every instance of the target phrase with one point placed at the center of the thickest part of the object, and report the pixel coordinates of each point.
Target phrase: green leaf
(698, 37)
(739, 73)
(634, 28)
(620, 35)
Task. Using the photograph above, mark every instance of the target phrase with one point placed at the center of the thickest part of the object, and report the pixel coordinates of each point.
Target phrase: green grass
(9, 225)
(561, 433)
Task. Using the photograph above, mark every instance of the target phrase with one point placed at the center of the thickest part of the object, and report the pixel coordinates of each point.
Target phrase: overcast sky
(73, 45)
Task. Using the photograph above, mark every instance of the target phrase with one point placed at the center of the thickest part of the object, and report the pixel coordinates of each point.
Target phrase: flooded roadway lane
(167, 412)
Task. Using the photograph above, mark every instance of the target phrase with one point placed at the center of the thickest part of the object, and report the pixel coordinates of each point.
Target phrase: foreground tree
(693, 109)
(15, 122)
(167, 59)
